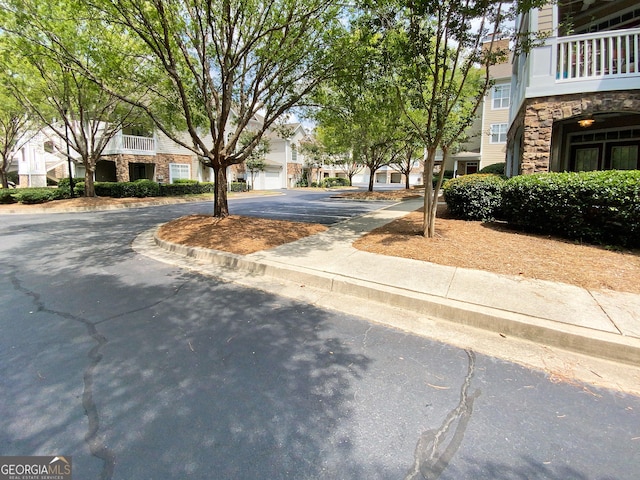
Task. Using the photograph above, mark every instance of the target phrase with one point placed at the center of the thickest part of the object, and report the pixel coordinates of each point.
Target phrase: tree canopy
(39, 44)
(221, 70)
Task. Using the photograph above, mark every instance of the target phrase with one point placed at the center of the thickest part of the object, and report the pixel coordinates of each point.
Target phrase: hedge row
(174, 189)
(600, 207)
(148, 188)
(30, 196)
(140, 188)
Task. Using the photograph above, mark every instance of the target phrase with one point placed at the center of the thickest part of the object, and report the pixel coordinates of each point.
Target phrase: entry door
(623, 156)
(586, 158)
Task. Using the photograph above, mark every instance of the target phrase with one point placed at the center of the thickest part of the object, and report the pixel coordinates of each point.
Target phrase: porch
(131, 144)
(591, 62)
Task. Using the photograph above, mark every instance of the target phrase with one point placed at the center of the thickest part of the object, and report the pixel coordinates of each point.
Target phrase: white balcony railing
(131, 144)
(142, 144)
(598, 55)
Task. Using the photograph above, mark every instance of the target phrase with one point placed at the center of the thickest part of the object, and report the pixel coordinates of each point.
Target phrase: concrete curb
(605, 345)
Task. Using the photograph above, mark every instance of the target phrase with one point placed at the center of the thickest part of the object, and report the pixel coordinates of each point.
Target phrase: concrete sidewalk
(603, 324)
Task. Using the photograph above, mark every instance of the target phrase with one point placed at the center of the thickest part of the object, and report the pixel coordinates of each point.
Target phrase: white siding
(165, 145)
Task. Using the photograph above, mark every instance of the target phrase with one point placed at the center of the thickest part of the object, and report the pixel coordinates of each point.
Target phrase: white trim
(501, 86)
(177, 171)
(503, 128)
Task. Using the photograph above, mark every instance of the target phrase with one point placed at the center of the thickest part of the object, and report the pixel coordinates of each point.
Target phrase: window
(500, 95)
(48, 146)
(499, 133)
(294, 153)
(179, 171)
(587, 159)
(624, 157)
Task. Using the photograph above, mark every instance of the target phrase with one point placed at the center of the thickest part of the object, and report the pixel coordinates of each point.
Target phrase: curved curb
(595, 343)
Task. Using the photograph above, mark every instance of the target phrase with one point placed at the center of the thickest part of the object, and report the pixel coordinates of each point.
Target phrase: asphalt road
(139, 370)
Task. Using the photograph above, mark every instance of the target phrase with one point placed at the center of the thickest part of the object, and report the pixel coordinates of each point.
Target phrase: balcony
(131, 144)
(578, 64)
(599, 55)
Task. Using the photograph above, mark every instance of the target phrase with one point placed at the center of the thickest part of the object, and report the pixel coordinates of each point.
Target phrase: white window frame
(498, 133)
(501, 96)
(180, 173)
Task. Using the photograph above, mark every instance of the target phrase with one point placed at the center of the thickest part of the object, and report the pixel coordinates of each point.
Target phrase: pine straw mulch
(492, 247)
(495, 247)
(235, 234)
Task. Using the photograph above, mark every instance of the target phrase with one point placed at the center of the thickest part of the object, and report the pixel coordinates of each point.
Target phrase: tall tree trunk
(428, 226)
(431, 192)
(220, 204)
(89, 186)
(4, 179)
(371, 177)
(406, 182)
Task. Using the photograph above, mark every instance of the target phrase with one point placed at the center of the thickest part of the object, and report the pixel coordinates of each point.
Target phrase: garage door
(272, 180)
(396, 178)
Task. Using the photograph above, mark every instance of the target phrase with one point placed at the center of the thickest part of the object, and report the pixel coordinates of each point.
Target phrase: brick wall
(161, 162)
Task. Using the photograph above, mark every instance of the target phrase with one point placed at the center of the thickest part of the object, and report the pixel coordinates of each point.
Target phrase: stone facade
(160, 160)
(537, 116)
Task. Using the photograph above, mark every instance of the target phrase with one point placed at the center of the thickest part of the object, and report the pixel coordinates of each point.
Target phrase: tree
(256, 161)
(255, 165)
(348, 165)
(405, 161)
(15, 131)
(65, 101)
(315, 156)
(442, 70)
(338, 149)
(217, 68)
(358, 107)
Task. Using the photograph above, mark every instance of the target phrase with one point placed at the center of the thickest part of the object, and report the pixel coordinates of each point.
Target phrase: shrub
(139, 188)
(6, 195)
(184, 180)
(78, 189)
(30, 196)
(601, 207)
(146, 188)
(186, 188)
(496, 168)
(64, 182)
(62, 192)
(474, 197)
(105, 189)
(335, 182)
(238, 187)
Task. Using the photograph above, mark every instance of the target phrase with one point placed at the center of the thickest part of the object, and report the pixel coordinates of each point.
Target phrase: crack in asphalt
(433, 454)
(96, 446)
